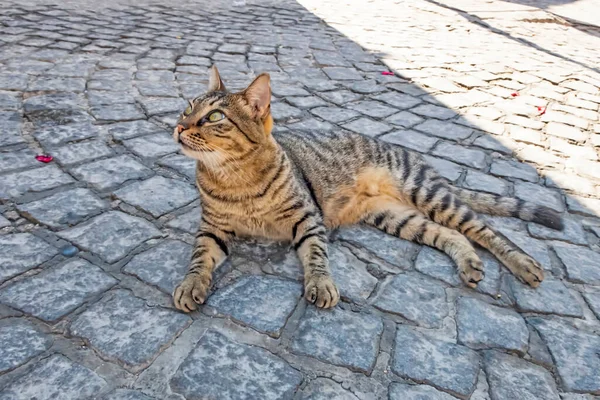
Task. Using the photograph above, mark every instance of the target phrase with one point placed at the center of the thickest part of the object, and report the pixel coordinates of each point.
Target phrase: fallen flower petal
(515, 94)
(44, 158)
(387, 73)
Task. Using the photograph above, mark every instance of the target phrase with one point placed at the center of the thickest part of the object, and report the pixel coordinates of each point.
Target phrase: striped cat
(297, 186)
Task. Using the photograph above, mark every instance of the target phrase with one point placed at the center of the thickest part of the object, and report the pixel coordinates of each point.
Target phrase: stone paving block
(9, 101)
(410, 139)
(368, 127)
(20, 252)
(444, 129)
(53, 378)
(188, 222)
(485, 183)
(339, 337)
(459, 154)
(534, 247)
(111, 172)
(511, 378)
(118, 112)
(416, 298)
(398, 100)
(64, 208)
(573, 232)
(311, 125)
(306, 102)
(484, 326)
(17, 160)
(372, 108)
(163, 266)
(325, 389)
(403, 391)
(123, 327)
(55, 135)
(263, 303)
(4, 222)
(334, 114)
(21, 341)
(65, 84)
(447, 366)
(180, 163)
(592, 297)
(161, 105)
(432, 111)
(34, 180)
(126, 394)
(539, 195)
(350, 274)
(512, 169)
(78, 152)
(10, 81)
(575, 353)
(57, 291)
(404, 119)
(341, 73)
(10, 123)
(445, 168)
(158, 195)
(581, 263)
(111, 235)
(386, 247)
(282, 111)
(213, 370)
(338, 97)
(127, 130)
(551, 297)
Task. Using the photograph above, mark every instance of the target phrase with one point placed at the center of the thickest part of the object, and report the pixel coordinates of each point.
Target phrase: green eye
(188, 110)
(216, 116)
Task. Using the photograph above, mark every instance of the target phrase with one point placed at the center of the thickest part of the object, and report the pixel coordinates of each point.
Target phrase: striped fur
(297, 186)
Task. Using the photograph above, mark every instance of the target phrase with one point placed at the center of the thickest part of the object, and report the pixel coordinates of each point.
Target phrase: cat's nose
(181, 127)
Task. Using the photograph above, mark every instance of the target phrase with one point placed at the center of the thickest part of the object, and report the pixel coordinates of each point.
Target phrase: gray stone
(445, 365)
(306, 102)
(580, 262)
(126, 130)
(411, 140)
(182, 164)
(311, 125)
(429, 110)
(188, 222)
(350, 274)
(156, 145)
(4, 222)
(20, 252)
(104, 97)
(583, 205)
(161, 105)
(592, 296)
(341, 73)
(534, 247)
(416, 298)
(122, 326)
(9, 101)
(64, 208)
(513, 169)
(485, 183)
(78, 152)
(54, 135)
(219, 368)
(386, 247)
(339, 337)
(263, 303)
(55, 292)
(459, 154)
(334, 114)
(111, 172)
(163, 266)
(126, 394)
(158, 195)
(338, 97)
(404, 119)
(117, 112)
(372, 108)
(111, 235)
(539, 195)
(10, 81)
(444, 129)
(398, 100)
(484, 326)
(365, 86)
(403, 391)
(447, 169)
(325, 389)
(21, 341)
(160, 89)
(573, 232)
(282, 111)
(33, 180)
(575, 353)
(512, 378)
(62, 84)
(53, 378)
(551, 297)
(10, 123)
(18, 160)
(368, 127)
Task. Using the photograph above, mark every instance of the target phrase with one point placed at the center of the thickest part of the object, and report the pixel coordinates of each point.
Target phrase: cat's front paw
(320, 290)
(190, 292)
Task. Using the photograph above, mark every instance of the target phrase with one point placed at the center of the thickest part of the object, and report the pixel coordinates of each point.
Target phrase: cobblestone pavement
(98, 90)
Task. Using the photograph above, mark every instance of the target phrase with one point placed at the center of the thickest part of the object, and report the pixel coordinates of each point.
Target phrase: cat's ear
(214, 80)
(258, 95)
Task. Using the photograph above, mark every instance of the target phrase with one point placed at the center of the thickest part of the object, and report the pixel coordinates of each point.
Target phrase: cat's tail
(494, 204)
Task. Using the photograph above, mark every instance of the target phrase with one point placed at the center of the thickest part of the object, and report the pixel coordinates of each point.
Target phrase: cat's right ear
(215, 84)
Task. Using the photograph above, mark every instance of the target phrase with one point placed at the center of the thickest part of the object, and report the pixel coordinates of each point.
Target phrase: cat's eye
(188, 110)
(215, 116)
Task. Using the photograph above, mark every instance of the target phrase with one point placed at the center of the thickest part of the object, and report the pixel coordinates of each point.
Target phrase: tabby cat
(295, 186)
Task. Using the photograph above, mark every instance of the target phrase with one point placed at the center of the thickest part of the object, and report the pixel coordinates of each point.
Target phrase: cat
(297, 186)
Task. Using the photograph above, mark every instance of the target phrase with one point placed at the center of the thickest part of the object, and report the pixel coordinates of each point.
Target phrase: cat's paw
(321, 291)
(190, 292)
(471, 271)
(528, 270)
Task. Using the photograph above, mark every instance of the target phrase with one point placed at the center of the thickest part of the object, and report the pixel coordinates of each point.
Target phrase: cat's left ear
(215, 83)
(258, 95)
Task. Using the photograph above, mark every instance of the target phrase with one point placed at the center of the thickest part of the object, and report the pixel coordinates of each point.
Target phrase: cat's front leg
(310, 241)
(210, 250)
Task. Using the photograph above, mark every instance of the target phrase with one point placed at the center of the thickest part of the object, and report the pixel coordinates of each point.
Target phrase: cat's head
(221, 125)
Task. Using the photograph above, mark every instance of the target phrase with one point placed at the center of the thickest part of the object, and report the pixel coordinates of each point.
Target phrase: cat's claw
(191, 292)
(321, 291)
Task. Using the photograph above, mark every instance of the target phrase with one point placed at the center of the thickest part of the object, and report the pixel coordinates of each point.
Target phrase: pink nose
(180, 128)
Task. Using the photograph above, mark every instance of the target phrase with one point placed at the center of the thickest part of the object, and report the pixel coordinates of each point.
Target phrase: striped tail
(494, 204)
